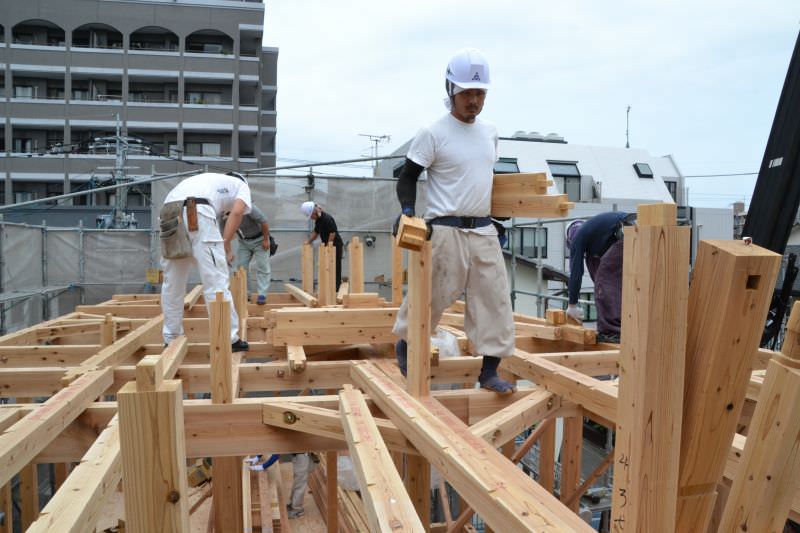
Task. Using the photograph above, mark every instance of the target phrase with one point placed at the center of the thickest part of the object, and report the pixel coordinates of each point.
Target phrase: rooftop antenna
(627, 130)
(376, 139)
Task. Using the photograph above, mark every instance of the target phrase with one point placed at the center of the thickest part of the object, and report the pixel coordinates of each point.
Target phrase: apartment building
(186, 83)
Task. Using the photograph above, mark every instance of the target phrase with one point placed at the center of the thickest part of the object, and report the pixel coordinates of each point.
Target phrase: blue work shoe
(261, 300)
(401, 351)
(496, 384)
(240, 346)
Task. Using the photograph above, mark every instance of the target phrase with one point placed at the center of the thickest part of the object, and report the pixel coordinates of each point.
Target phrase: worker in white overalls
(190, 236)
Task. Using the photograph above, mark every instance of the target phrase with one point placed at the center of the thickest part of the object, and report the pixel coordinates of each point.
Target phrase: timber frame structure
(707, 424)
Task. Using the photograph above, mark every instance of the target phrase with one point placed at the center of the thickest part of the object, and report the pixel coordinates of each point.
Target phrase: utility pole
(627, 128)
(376, 139)
(121, 147)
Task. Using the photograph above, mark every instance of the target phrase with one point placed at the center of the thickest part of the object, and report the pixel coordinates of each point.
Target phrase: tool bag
(175, 243)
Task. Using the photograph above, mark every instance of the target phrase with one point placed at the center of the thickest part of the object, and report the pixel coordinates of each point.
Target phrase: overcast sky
(702, 77)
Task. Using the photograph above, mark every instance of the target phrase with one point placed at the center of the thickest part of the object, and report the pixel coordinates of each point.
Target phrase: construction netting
(47, 271)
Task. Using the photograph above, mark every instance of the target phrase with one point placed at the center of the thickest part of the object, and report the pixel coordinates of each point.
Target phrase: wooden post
(571, 449)
(356, 265)
(397, 274)
(332, 491)
(239, 297)
(547, 451)
(728, 301)
(6, 508)
(108, 331)
(28, 495)
(227, 479)
(323, 291)
(769, 473)
(307, 267)
(331, 272)
(654, 298)
(152, 434)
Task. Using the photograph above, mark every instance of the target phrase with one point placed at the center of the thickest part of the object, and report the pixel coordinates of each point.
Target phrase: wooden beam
(307, 299)
(654, 298)
(344, 288)
(419, 321)
(547, 451)
(45, 355)
(191, 299)
(108, 331)
(20, 443)
(512, 420)
(514, 197)
(356, 250)
(151, 433)
(506, 497)
(768, 476)
(571, 451)
(388, 505)
(412, 233)
(296, 357)
(7, 508)
(728, 301)
(362, 300)
(306, 327)
(307, 267)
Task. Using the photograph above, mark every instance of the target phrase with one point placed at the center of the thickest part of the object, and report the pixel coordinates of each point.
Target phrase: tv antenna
(376, 140)
(627, 129)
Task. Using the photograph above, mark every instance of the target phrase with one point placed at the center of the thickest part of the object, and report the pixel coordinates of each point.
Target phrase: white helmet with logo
(468, 69)
(307, 208)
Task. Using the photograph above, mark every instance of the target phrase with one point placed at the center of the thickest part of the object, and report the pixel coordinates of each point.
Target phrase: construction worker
(325, 228)
(190, 236)
(459, 151)
(255, 246)
(302, 463)
(599, 242)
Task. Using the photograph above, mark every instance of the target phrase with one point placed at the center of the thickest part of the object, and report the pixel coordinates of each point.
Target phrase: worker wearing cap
(598, 241)
(459, 152)
(325, 229)
(254, 248)
(190, 236)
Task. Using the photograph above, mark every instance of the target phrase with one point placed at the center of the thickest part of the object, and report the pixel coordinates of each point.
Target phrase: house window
(23, 91)
(672, 187)
(212, 149)
(643, 170)
(531, 240)
(506, 165)
(24, 145)
(198, 97)
(567, 178)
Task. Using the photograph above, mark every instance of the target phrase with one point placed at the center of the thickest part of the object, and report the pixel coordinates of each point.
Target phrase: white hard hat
(468, 69)
(307, 208)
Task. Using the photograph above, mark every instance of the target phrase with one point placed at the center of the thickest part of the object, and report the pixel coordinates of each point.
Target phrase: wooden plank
(506, 497)
(397, 274)
(512, 420)
(296, 357)
(419, 324)
(654, 300)
(307, 267)
(728, 301)
(356, 250)
(388, 505)
(530, 205)
(45, 355)
(151, 433)
(326, 422)
(191, 299)
(305, 298)
(521, 183)
(20, 443)
(597, 396)
(57, 331)
(768, 476)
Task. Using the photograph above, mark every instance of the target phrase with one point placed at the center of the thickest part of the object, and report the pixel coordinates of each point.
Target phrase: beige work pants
(465, 261)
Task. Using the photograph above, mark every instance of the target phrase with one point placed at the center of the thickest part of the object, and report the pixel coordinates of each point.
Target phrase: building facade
(182, 83)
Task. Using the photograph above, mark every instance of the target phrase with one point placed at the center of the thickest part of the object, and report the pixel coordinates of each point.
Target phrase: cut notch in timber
(412, 233)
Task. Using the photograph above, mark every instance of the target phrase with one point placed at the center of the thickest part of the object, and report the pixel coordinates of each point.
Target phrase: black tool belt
(461, 222)
(254, 236)
(203, 201)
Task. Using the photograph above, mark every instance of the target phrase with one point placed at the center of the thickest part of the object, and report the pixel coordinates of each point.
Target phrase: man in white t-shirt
(459, 151)
(214, 196)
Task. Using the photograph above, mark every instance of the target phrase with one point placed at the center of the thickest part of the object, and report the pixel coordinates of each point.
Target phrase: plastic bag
(447, 343)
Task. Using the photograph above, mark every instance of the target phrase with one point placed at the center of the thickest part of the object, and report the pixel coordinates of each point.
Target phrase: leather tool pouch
(191, 213)
(175, 243)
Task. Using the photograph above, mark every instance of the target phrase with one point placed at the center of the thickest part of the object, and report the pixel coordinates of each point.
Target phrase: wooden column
(28, 495)
(6, 508)
(239, 297)
(654, 299)
(332, 491)
(331, 272)
(323, 290)
(728, 301)
(227, 477)
(108, 331)
(153, 451)
(307, 267)
(397, 274)
(547, 450)
(356, 265)
(769, 473)
(571, 449)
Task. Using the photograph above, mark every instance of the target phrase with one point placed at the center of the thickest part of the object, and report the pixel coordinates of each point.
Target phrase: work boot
(261, 300)
(240, 346)
(608, 337)
(401, 351)
(295, 513)
(490, 380)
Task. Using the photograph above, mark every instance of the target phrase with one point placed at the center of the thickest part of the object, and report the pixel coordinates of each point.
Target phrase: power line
(722, 175)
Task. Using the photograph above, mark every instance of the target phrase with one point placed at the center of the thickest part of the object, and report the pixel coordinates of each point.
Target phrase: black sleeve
(407, 184)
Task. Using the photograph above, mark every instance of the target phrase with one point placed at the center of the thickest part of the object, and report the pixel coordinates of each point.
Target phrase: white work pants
(468, 261)
(208, 254)
(252, 250)
(301, 464)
